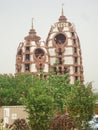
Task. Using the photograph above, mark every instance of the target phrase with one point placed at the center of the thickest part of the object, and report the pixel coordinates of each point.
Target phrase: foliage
(81, 105)
(58, 89)
(62, 122)
(6, 94)
(54, 95)
(39, 105)
(12, 88)
(46, 98)
(19, 124)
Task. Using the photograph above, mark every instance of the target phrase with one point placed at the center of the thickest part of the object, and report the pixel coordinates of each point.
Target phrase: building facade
(61, 52)
(10, 113)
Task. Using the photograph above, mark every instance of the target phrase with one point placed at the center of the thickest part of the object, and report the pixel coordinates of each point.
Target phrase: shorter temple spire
(32, 33)
(32, 22)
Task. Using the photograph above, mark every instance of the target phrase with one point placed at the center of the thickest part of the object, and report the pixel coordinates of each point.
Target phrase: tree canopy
(13, 87)
(48, 98)
(54, 96)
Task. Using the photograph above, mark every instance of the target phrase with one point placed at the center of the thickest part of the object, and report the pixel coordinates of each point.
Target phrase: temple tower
(32, 55)
(64, 50)
(61, 52)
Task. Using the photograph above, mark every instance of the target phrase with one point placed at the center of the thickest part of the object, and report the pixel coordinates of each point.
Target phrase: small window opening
(74, 41)
(60, 60)
(76, 78)
(27, 67)
(76, 69)
(60, 69)
(18, 70)
(73, 34)
(75, 50)
(55, 70)
(40, 66)
(27, 48)
(27, 57)
(76, 59)
(66, 70)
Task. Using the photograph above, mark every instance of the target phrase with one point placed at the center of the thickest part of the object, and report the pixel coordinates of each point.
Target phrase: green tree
(39, 105)
(46, 98)
(7, 84)
(81, 104)
(12, 88)
(59, 89)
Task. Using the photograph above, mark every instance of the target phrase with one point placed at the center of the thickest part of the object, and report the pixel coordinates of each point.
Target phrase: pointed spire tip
(32, 23)
(62, 9)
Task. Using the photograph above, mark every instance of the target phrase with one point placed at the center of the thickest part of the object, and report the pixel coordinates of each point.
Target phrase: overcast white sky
(15, 22)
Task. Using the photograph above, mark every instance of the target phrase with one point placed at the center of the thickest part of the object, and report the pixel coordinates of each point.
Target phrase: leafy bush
(19, 124)
(62, 122)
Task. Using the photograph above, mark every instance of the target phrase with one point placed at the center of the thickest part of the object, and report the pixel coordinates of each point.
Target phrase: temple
(61, 52)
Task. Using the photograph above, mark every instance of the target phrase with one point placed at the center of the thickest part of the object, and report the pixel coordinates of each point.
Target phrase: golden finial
(62, 9)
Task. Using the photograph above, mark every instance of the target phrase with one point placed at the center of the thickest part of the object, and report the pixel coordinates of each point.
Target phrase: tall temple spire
(62, 18)
(62, 10)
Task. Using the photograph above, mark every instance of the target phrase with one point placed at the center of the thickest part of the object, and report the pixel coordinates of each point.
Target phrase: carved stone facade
(60, 52)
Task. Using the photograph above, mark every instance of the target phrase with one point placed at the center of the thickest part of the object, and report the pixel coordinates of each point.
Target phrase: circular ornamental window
(60, 38)
(39, 53)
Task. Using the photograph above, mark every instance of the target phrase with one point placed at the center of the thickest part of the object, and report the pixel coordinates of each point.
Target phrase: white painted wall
(69, 42)
(68, 34)
(47, 58)
(33, 43)
(68, 51)
(51, 36)
(68, 60)
(50, 43)
(33, 68)
(66, 28)
(71, 70)
(31, 58)
(52, 52)
(23, 68)
(55, 29)
(33, 48)
(46, 68)
(71, 80)
(52, 61)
